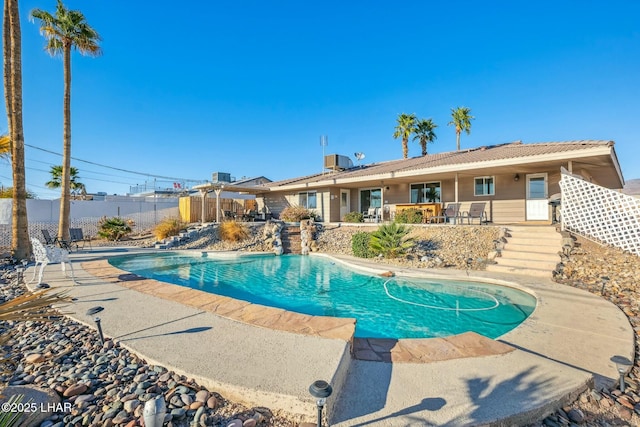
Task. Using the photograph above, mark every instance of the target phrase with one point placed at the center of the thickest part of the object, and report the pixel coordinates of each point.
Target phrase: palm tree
(424, 132)
(56, 179)
(12, 78)
(404, 129)
(462, 122)
(63, 31)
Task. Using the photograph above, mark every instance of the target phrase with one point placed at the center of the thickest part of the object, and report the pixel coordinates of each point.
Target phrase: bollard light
(154, 412)
(20, 269)
(604, 279)
(622, 365)
(92, 312)
(320, 390)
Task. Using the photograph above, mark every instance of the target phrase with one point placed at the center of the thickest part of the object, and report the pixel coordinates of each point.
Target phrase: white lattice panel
(600, 214)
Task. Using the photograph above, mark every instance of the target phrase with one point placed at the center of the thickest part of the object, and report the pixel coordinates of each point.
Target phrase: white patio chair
(49, 254)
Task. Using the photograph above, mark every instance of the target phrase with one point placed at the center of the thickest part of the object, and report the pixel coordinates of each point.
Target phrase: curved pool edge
(404, 350)
(571, 339)
(233, 309)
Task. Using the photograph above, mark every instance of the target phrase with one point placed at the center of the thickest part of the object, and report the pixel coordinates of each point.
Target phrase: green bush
(391, 240)
(353, 217)
(360, 245)
(409, 216)
(114, 228)
(295, 213)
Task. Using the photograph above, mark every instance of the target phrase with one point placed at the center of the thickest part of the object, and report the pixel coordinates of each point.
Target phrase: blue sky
(249, 87)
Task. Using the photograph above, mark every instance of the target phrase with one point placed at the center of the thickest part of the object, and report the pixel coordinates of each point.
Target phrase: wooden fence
(191, 208)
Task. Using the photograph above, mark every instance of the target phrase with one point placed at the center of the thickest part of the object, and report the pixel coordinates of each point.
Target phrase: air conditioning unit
(221, 177)
(337, 162)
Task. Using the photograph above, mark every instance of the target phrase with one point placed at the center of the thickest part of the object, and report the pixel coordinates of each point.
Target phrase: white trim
(493, 179)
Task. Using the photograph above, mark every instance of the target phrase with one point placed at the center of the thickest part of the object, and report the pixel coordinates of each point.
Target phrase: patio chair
(76, 237)
(476, 211)
(49, 254)
(53, 241)
(48, 240)
(450, 214)
(371, 215)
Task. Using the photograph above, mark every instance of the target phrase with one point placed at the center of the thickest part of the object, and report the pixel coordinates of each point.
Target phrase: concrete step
(527, 264)
(555, 242)
(530, 254)
(516, 270)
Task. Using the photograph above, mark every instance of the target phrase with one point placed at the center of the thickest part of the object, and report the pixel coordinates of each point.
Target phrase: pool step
(530, 250)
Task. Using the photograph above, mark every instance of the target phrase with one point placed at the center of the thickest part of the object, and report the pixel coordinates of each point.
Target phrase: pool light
(320, 390)
(93, 311)
(622, 365)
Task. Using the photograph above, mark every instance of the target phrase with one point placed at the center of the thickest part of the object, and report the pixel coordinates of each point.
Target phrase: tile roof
(512, 150)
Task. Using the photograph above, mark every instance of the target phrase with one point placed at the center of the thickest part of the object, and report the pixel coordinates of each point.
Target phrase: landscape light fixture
(605, 280)
(92, 312)
(154, 412)
(622, 365)
(20, 269)
(320, 390)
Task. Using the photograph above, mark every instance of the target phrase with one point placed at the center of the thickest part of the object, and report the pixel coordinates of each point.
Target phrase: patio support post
(456, 188)
(203, 192)
(218, 191)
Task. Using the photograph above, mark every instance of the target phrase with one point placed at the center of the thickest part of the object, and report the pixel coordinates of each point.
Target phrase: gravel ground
(589, 267)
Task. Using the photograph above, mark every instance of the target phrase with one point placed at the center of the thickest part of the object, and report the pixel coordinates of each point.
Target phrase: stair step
(516, 270)
(534, 242)
(527, 264)
(530, 254)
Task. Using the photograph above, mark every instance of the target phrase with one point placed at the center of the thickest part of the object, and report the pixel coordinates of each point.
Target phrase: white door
(537, 197)
(345, 205)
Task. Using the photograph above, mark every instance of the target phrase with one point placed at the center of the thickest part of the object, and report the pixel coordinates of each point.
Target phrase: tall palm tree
(63, 31)
(12, 78)
(56, 179)
(404, 129)
(425, 133)
(462, 122)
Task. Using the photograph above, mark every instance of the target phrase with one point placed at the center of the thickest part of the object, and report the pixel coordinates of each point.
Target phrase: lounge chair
(76, 237)
(476, 211)
(54, 241)
(450, 214)
(48, 240)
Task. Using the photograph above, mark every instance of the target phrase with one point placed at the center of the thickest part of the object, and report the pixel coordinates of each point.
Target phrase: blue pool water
(384, 307)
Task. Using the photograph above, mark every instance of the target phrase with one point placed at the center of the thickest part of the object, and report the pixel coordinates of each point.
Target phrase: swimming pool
(396, 307)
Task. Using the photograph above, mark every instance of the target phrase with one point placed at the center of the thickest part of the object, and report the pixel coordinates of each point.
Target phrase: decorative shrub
(353, 217)
(232, 231)
(169, 227)
(295, 213)
(114, 228)
(391, 240)
(409, 216)
(360, 245)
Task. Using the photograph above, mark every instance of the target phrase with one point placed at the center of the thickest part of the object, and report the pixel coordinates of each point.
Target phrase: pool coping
(405, 350)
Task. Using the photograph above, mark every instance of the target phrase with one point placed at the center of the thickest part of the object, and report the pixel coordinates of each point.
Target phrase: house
(516, 180)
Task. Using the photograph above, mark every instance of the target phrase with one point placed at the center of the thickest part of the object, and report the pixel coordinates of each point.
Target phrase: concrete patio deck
(268, 357)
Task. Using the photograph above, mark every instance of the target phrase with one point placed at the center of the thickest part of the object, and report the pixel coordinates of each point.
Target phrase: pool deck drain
(268, 357)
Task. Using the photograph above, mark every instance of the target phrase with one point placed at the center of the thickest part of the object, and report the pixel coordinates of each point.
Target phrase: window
(484, 186)
(370, 199)
(425, 192)
(308, 200)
